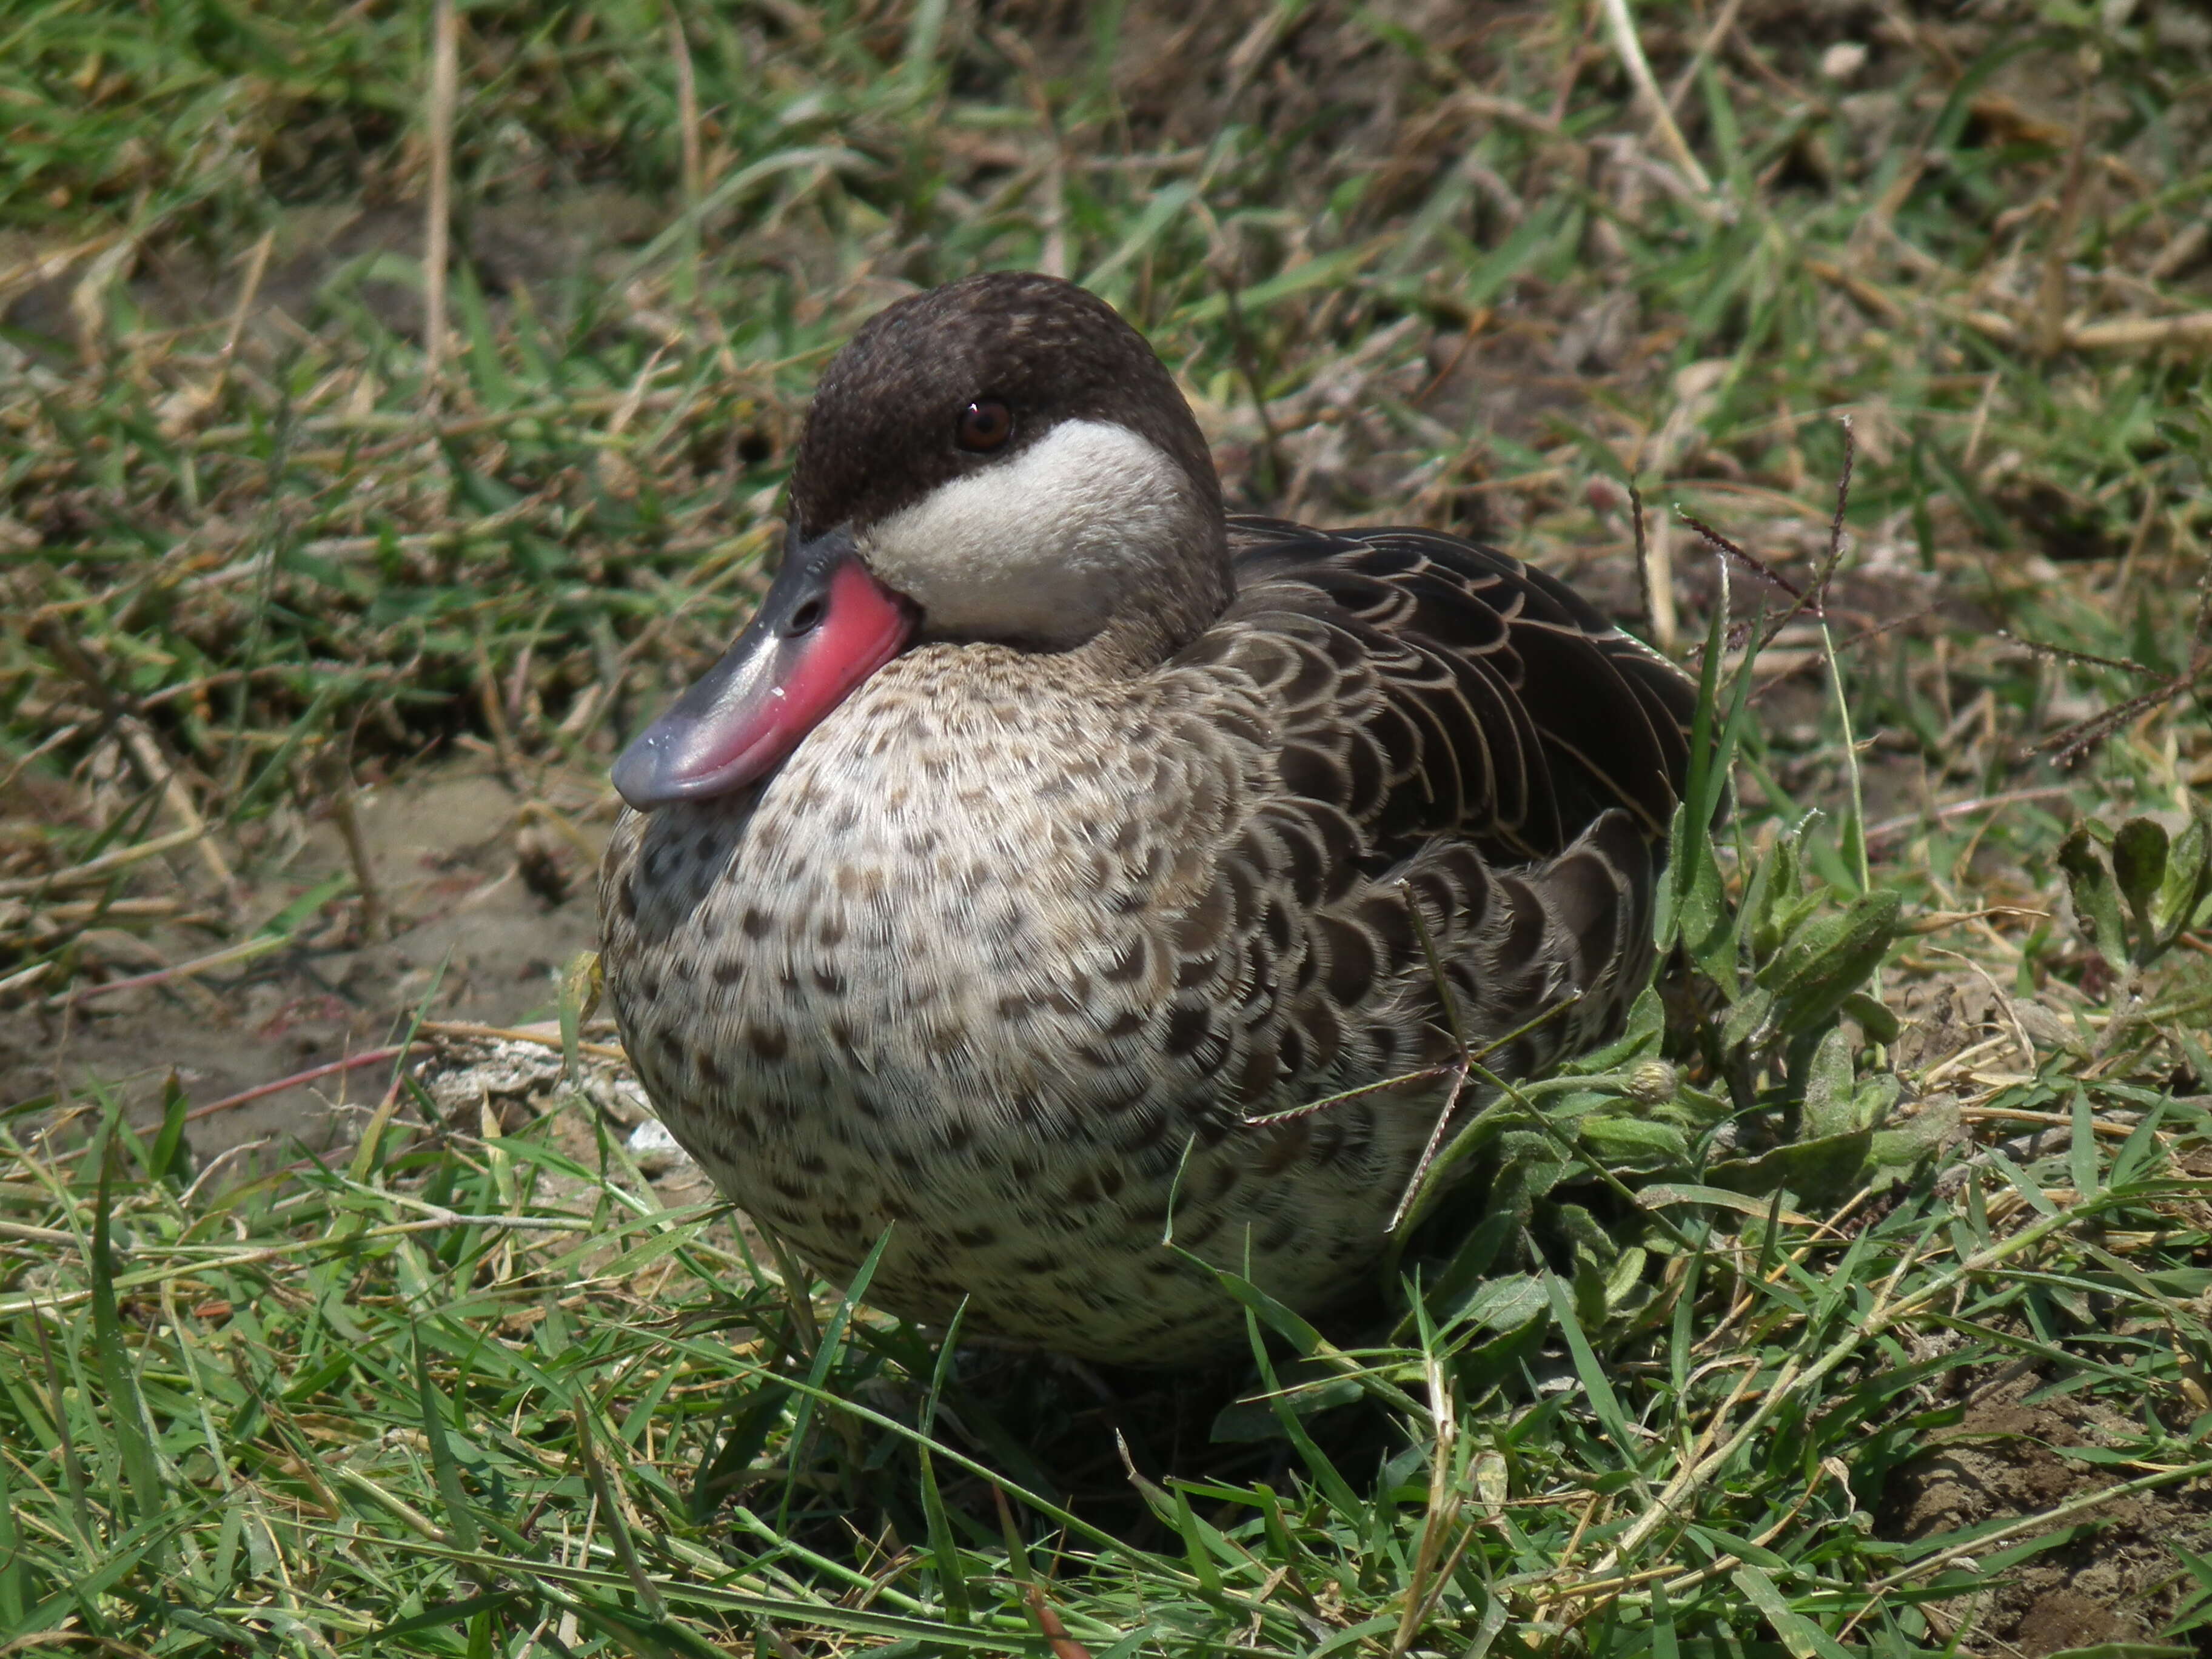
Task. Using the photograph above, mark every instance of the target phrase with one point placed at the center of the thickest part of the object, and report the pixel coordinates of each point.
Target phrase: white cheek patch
(1043, 546)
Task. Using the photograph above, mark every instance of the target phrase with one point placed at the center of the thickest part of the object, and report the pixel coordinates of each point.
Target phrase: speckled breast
(920, 982)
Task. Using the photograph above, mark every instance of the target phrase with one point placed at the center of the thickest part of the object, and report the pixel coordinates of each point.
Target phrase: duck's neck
(1158, 619)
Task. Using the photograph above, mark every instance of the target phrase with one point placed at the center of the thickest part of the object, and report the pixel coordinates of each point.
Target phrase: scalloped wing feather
(1467, 758)
(1528, 712)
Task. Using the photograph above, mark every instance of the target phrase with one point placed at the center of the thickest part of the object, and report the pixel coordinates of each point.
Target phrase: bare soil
(486, 905)
(329, 260)
(2019, 1450)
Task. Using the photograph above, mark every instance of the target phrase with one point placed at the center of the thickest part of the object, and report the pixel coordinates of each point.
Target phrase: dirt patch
(2113, 1578)
(486, 907)
(327, 262)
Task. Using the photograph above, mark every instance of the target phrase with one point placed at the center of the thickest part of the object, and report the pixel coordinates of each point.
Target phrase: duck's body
(1005, 953)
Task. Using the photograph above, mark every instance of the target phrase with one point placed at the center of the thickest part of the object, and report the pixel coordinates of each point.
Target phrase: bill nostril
(805, 619)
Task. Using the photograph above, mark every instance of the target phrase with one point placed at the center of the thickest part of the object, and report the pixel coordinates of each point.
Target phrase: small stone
(655, 1151)
(498, 1072)
(1843, 60)
(2045, 1029)
(618, 1097)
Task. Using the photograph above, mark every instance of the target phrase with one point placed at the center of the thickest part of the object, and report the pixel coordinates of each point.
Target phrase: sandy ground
(488, 898)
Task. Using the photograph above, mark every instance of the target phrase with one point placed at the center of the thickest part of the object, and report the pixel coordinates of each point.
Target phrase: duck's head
(1001, 459)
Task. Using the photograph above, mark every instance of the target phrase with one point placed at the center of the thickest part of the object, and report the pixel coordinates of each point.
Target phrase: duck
(1064, 892)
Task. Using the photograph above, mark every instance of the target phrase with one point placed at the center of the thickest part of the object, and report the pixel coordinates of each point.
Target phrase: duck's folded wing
(1421, 716)
(1427, 685)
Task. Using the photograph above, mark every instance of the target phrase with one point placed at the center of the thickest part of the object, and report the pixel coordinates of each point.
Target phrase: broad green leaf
(1875, 1020)
(168, 1160)
(1462, 1275)
(1747, 1017)
(1589, 1283)
(2139, 859)
(1626, 1278)
(1633, 1141)
(2096, 897)
(2188, 881)
(1305, 1388)
(1647, 1025)
(1586, 1232)
(1830, 1089)
(1774, 880)
(1908, 1142)
(1828, 958)
(1873, 1099)
(1507, 1304)
(1811, 1168)
(1709, 926)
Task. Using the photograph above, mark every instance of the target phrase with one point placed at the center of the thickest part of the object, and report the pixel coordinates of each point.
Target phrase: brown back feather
(1471, 693)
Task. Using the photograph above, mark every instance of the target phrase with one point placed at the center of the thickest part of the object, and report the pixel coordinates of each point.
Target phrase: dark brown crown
(879, 434)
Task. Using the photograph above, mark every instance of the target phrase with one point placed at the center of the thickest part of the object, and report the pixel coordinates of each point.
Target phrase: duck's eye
(984, 425)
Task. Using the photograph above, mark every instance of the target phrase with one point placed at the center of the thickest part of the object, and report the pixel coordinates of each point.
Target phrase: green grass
(469, 1393)
(465, 1388)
